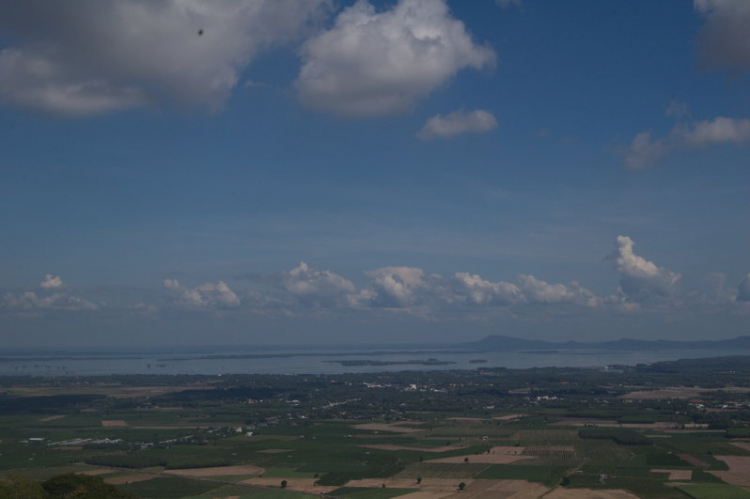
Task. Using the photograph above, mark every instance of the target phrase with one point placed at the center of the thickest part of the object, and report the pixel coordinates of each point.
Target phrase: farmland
(483, 433)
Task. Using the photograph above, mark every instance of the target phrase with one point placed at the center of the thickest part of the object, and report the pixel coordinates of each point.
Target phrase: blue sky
(445, 170)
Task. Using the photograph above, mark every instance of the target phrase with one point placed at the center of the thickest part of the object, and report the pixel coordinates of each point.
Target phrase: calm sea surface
(288, 361)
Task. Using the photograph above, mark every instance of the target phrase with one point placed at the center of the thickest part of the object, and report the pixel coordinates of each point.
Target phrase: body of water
(289, 361)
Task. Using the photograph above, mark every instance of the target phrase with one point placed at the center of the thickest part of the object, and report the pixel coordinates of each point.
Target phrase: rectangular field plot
(604, 453)
(368, 493)
(645, 488)
(246, 491)
(548, 475)
(442, 470)
(545, 437)
(554, 454)
(714, 491)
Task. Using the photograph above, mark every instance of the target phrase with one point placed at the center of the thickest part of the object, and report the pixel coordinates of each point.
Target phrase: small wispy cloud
(506, 4)
(644, 152)
(457, 123)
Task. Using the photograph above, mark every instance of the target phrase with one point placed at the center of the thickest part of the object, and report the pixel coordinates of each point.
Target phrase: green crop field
(545, 437)
(714, 491)
(548, 475)
(368, 493)
(646, 488)
(442, 470)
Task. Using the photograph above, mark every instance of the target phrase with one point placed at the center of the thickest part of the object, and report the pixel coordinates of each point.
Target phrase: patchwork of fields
(202, 444)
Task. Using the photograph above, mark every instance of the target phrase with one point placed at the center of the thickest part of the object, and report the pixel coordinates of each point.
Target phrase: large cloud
(644, 151)
(641, 280)
(724, 41)
(456, 123)
(473, 290)
(409, 287)
(393, 287)
(84, 57)
(376, 63)
(205, 296)
(541, 292)
(315, 287)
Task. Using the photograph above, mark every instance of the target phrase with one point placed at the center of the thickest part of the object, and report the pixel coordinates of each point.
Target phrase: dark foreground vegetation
(672, 429)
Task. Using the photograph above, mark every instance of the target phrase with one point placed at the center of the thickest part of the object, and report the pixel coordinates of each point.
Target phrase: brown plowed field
(219, 471)
(739, 470)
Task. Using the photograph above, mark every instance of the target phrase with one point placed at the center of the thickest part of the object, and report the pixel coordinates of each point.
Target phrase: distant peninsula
(508, 343)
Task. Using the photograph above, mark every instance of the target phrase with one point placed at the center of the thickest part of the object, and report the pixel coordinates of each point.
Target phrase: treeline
(138, 460)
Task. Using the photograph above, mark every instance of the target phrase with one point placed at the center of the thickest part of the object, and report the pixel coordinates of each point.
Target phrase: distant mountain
(501, 342)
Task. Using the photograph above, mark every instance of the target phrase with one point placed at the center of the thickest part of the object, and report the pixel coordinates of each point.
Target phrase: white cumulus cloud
(409, 287)
(204, 296)
(86, 57)
(316, 287)
(378, 63)
(393, 287)
(50, 296)
(540, 292)
(456, 123)
(51, 282)
(30, 301)
(473, 290)
(640, 279)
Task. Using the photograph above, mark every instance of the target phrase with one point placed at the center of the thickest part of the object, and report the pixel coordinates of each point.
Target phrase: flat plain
(487, 433)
